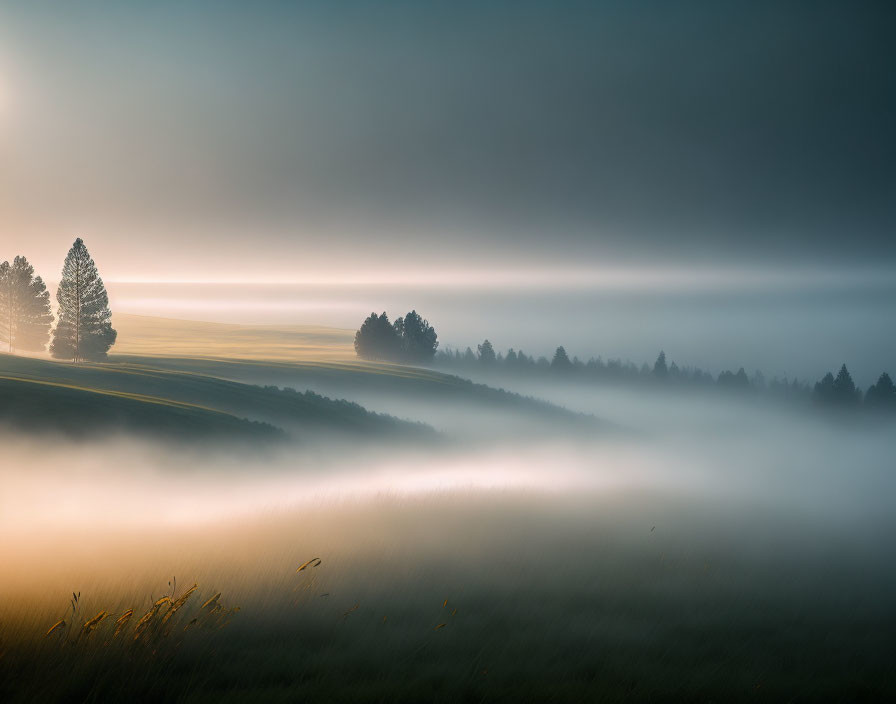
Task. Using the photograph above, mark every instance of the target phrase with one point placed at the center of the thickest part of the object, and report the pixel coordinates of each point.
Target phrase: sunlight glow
(607, 278)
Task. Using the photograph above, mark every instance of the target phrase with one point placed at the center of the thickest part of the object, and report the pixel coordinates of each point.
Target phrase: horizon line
(696, 277)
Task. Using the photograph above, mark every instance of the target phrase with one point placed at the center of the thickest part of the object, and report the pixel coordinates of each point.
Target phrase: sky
(306, 141)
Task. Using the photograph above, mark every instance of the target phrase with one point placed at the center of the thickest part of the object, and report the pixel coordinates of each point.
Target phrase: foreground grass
(470, 598)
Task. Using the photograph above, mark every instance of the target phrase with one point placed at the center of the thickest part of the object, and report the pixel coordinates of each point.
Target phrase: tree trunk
(77, 355)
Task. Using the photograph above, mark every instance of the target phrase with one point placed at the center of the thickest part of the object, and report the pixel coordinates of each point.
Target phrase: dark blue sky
(474, 132)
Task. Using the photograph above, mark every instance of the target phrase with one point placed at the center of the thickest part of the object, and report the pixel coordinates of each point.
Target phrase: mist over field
(733, 531)
(618, 536)
(508, 351)
(697, 448)
(798, 324)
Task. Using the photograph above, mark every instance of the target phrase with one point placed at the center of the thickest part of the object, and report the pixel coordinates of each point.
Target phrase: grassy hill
(41, 393)
(147, 335)
(369, 383)
(311, 357)
(249, 372)
(28, 404)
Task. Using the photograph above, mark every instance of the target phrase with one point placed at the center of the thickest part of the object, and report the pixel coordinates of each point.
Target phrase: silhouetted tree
(845, 391)
(660, 370)
(25, 315)
(486, 352)
(730, 380)
(839, 390)
(882, 394)
(377, 339)
(511, 359)
(561, 360)
(824, 389)
(418, 339)
(469, 356)
(84, 330)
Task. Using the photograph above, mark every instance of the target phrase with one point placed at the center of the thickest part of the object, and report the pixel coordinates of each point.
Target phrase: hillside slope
(32, 405)
(383, 386)
(174, 391)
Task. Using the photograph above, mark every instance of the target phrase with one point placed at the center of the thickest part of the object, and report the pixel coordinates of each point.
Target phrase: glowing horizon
(620, 277)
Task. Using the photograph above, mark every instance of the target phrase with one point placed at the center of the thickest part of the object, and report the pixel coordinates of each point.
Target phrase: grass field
(303, 397)
(39, 405)
(147, 335)
(717, 551)
(305, 357)
(467, 598)
(139, 398)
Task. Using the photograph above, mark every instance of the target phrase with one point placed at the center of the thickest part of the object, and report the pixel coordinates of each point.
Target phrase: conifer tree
(377, 339)
(561, 360)
(882, 394)
(417, 338)
(408, 339)
(84, 330)
(824, 389)
(486, 352)
(25, 315)
(845, 390)
(660, 370)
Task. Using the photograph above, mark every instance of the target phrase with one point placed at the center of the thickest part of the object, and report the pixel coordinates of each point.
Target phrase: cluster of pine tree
(410, 339)
(841, 391)
(83, 329)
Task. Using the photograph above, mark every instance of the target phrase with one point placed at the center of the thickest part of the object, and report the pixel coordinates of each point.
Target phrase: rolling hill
(32, 405)
(47, 394)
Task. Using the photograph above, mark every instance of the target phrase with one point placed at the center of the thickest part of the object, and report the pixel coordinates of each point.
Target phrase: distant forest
(417, 343)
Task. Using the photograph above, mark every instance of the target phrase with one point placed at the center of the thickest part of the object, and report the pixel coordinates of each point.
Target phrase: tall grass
(455, 598)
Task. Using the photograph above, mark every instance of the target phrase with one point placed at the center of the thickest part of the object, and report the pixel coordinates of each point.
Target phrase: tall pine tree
(84, 330)
(25, 315)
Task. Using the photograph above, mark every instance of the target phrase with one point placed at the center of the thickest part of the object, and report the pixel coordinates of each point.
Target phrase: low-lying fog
(687, 536)
(708, 449)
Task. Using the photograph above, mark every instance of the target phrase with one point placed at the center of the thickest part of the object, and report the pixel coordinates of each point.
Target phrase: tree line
(83, 329)
(831, 391)
(596, 367)
(413, 340)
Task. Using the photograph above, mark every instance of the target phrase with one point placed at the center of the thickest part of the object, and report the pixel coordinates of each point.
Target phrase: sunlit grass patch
(447, 598)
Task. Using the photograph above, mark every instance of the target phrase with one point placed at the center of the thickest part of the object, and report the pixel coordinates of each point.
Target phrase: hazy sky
(230, 140)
